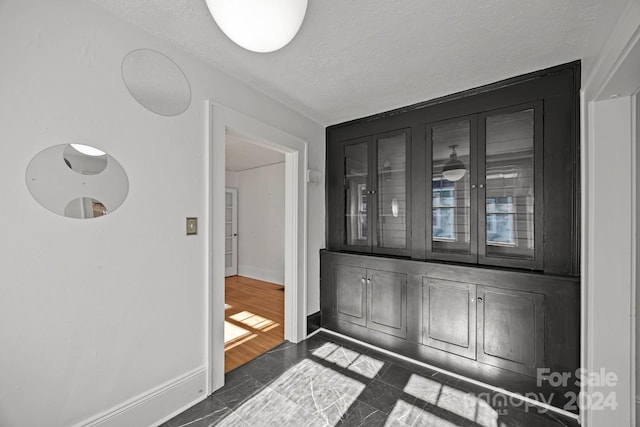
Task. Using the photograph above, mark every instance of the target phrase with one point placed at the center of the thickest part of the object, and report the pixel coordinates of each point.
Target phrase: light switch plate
(192, 226)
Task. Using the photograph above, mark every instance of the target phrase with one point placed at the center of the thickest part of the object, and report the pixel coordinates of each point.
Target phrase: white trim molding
(609, 223)
(222, 120)
(144, 409)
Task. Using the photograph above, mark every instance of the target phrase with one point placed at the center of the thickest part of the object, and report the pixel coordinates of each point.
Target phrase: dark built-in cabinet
(372, 298)
(488, 177)
(503, 327)
(489, 209)
(496, 326)
(500, 327)
(453, 229)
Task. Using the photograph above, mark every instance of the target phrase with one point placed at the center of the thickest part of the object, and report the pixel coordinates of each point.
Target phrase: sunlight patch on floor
(362, 364)
(412, 415)
(252, 320)
(453, 400)
(233, 332)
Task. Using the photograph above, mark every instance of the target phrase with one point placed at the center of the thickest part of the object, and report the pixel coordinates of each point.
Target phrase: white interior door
(230, 232)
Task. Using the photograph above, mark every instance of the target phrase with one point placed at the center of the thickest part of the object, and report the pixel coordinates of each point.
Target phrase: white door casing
(220, 120)
(610, 196)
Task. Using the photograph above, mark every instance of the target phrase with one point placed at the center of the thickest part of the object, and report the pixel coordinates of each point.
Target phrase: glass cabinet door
(356, 193)
(391, 191)
(452, 220)
(509, 185)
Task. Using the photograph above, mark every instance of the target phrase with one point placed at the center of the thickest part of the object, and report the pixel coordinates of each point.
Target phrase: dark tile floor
(325, 381)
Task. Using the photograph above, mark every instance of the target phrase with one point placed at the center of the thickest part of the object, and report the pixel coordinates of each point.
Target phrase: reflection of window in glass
(510, 183)
(451, 198)
(444, 199)
(500, 218)
(362, 211)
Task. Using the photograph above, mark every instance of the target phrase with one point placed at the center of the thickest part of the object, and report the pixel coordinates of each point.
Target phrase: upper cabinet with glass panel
(356, 193)
(485, 198)
(391, 193)
(451, 196)
(483, 177)
(374, 205)
(511, 195)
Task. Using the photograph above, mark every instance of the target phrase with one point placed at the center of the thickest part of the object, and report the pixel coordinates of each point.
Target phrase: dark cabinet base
(495, 326)
(449, 316)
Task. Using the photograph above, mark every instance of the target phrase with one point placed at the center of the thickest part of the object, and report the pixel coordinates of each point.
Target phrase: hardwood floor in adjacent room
(254, 319)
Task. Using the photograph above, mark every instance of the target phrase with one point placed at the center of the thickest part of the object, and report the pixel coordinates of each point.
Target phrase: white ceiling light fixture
(259, 25)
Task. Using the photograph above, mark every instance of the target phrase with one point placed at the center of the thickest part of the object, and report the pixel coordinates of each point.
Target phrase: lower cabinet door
(511, 329)
(449, 316)
(387, 302)
(351, 294)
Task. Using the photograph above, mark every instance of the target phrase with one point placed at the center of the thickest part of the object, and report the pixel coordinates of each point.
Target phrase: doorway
(295, 151)
(254, 249)
(610, 208)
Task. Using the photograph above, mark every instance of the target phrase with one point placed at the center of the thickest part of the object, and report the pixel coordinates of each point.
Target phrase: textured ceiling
(356, 58)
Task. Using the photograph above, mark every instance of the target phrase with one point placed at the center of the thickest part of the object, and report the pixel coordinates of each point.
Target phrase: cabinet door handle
(363, 280)
(369, 281)
(481, 185)
(473, 299)
(473, 186)
(479, 299)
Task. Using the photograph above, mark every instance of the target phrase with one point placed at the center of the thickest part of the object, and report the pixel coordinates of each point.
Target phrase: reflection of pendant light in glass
(394, 207)
(259, 25)
(454, 169)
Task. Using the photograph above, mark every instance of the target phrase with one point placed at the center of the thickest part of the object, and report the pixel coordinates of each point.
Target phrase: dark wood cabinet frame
(338, 189)
(505, 261)
(557, 208)
(431, 253)
(539, 297)
(545, 308)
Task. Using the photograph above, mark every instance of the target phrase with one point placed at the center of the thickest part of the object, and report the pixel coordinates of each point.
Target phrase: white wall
(261, 223)
(94, 314)
(231, 179)
(54, 184)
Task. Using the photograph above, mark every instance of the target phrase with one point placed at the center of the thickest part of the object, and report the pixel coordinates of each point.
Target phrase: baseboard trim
(151, 407)
(258, 273)
(453, 374)
(313, 322)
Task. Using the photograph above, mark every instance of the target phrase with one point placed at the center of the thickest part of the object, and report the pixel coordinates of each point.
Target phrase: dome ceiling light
(259, 25)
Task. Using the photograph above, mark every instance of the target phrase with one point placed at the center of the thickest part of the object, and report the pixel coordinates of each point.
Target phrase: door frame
(219, 120)
(609, 128)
